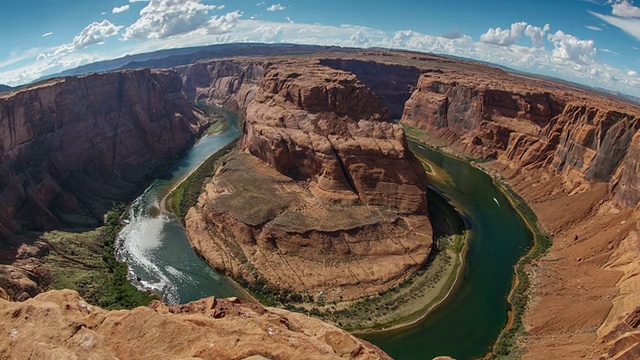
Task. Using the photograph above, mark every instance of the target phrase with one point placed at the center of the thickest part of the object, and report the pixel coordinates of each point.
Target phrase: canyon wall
(71, 147)
(573, 155)
(580, 138)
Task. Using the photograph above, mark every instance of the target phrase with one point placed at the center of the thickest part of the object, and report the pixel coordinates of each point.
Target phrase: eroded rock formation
(70, 147)
(207, 329)
(332, 144)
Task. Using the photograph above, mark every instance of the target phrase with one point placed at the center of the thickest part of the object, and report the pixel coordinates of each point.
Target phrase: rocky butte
(324, 199)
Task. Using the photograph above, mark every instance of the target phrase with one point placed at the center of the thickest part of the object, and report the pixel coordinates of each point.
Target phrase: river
(467, 324)
(464, 326)
(154, 245)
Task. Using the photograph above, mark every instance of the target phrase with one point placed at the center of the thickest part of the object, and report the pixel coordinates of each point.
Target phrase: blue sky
(593, 42)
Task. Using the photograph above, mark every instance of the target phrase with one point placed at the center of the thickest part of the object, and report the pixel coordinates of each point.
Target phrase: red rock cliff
(581, 138)
(312, 122)
(75, 145)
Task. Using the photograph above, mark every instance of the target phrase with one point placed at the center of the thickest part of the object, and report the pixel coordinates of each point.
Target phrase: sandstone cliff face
(260, 226)
(61, 325)
(531, 126)
(74, 145)
(311, 122)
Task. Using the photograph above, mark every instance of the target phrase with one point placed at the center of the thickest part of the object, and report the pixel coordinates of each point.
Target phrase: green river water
(469, 321)
(465, 326)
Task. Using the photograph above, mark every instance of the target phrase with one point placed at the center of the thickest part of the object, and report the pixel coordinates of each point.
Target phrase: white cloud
(632, 73)
(507, 37)
(625, 9)
(47, 34)
(537, 34)
(569, 47)
(165, 18)
(276, 7)
(41, 57)
(504, 37)
(95, 33)
(92, 34)
(594, 28)
(565, 56)
(119, 9)
(626, 17)
(223, 24)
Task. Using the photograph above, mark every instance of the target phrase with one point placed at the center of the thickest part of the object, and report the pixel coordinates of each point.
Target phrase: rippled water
(154, 245)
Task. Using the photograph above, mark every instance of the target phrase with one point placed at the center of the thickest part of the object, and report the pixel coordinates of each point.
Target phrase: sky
(591, 42)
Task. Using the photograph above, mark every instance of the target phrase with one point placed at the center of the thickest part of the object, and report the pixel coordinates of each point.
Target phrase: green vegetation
(85, 262)
(506, 345)
(185, 195)
(427, 167)
(399, 305)
(218, 121)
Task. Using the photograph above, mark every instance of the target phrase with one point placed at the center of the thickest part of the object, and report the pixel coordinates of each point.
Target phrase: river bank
(507, 341)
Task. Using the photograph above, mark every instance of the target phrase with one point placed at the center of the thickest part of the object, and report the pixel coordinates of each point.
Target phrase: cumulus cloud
(504, 37)
(625, 9)
(453, 34)
(632, 73)
(624, 15)
(276, 7)
(95, 33)
(508, 37)
(166, 18)
(41, 57)
(223, 24)
(537, 34)
(119, 9)
(569, 47)
(92, 34)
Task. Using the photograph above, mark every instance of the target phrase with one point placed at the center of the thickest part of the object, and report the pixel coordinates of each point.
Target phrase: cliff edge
(206, 329)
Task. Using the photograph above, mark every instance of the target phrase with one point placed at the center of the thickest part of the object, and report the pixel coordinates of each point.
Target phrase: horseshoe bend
(322, 199)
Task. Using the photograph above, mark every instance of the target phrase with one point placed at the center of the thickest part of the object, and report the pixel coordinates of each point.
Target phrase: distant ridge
(5, 88)
(169, 58)
(175, 57)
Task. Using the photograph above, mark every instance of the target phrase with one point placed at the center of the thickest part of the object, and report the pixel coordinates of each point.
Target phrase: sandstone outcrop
(297, 213)
(319, 124)
(207, 329)
(266, 229)
(70, 147)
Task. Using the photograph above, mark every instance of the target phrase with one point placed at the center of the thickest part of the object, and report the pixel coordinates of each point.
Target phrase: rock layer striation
(70, 147)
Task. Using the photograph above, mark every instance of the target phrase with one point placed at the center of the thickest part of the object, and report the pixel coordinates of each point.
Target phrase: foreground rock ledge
(61, 325)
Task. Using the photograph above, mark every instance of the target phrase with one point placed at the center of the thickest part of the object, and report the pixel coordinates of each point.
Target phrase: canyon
(323, 197)
(72, 147)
